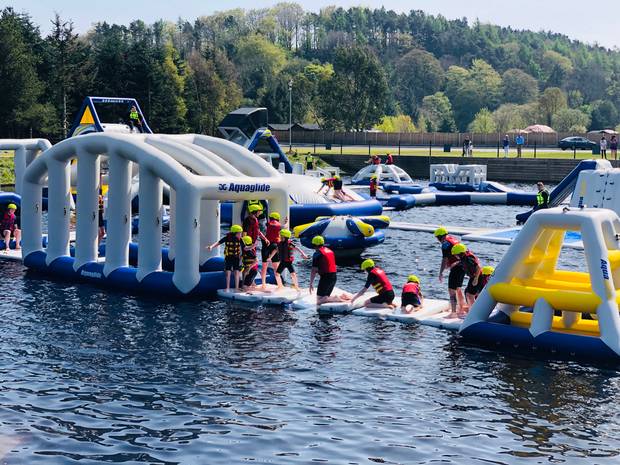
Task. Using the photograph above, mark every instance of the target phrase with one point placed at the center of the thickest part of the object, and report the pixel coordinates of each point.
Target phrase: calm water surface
(90, 376)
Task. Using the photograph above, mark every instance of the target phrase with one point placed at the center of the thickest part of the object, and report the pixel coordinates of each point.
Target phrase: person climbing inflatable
(9, 228)
(232, 254)
(411, 298)
(379, 280)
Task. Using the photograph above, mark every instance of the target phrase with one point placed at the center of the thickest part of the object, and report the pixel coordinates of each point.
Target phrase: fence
(416, 139)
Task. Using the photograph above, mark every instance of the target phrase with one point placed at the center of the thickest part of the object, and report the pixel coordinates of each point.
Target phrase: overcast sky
(593, 21)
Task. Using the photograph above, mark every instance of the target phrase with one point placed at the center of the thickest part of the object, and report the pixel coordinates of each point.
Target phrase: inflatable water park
(168, 201)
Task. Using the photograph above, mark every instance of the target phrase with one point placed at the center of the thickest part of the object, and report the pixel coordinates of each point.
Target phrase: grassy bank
(7, 168)
(438, 151)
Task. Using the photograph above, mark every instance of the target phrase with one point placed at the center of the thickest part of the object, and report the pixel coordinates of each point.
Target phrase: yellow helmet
(318, 240)
(274, 215)
(374, 176)
(487, 270)
(367, 264)
(413, 279)
(337, 177)
(12, 206)
(458, 248)
(235, 228)
(285, 233)
(247, 240)
(254, 208)
(440, 231)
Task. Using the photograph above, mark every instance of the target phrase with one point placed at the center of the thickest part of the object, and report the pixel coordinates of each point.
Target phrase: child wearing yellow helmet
(9, 227)
(250, 264)
(374, 184)
(286, 251)
(456, 272)
(472, 268)
(324, 265)
(232, 254)
(412, 298)
(379, 280)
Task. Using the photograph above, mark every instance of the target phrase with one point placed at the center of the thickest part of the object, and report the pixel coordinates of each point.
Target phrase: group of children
(278, 251)
(335, 182)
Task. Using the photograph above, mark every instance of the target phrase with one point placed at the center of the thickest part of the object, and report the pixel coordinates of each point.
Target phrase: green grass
(438, 152)
(7, 168)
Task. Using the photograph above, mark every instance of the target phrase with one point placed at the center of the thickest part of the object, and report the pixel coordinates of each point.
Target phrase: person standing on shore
(467, 147)
(613, 146)
(519, 141)
(506, 145)
(603, 144)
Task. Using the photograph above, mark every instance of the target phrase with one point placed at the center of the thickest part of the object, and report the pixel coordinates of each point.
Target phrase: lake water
(89, 376)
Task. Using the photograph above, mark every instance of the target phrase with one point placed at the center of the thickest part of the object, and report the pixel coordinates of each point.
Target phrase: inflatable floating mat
(271, 296)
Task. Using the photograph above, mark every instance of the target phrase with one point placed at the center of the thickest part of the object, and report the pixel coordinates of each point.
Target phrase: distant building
(296, 127)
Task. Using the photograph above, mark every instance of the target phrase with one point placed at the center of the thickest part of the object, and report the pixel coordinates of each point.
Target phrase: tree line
(348, 69)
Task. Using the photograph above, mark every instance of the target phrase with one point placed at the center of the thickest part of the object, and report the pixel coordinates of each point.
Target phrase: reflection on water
(91, 376)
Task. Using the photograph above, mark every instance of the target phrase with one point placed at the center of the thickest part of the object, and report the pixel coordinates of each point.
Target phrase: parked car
(581, 143)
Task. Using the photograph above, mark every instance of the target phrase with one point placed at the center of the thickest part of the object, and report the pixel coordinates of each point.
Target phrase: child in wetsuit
(412, 298)
(286, 251)
(232, 254)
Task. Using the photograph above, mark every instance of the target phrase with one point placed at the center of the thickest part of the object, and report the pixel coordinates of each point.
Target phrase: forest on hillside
(349, 69)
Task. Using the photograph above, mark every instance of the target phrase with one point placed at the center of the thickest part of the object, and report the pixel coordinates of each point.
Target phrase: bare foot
(452, 315)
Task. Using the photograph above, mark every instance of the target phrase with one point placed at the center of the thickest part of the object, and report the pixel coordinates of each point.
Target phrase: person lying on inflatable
(412, 298)
(379, 280)
(9, 228)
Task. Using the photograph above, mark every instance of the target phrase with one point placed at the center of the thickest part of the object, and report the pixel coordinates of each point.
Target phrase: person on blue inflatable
(412, 298)
(134, 119)
(232, 254)
(379, 280)
(542, 197)
(324, 264)
(9, 228)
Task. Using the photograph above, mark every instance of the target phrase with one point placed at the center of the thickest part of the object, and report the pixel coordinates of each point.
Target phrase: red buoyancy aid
(471, 263)
(285, 251)
(452, 241)
(382, 283)
(411, 288)
(273, 231)
(376, 160)
(373, 185)
(250, 227)
(327, 264)
(8, 222)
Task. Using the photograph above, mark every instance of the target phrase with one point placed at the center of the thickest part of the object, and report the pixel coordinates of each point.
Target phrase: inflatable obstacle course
(530, 304)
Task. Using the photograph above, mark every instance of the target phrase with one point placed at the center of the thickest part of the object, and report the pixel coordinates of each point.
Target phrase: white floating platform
(572, 240)
(11, 255)
(272, 296)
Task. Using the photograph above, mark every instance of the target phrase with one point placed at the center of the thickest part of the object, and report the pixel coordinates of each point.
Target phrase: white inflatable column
(149, 233)
(186, 263)
(209, 228)
(280, 204)
(118, 214)
(31, 216)
(236, 213)
(20, 167)
(86, 246)
(172, 224)
(59, 209)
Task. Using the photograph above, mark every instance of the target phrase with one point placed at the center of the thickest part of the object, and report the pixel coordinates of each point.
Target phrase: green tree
(518, 87)
(398, 123)
(258, 61)
(417, 74)
(208, 96)
(508, 117)
(551, 101)
(556, 67)
(356, 95)
(437, 112)
(168, 109)
(604, 115)
(21, 110)
(483, 122)
(570, 120)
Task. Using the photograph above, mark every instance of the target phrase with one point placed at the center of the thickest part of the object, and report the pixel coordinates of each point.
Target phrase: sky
(593, 21)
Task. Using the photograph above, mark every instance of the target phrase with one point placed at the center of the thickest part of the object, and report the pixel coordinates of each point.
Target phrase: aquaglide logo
(604, 269)
(235, 187)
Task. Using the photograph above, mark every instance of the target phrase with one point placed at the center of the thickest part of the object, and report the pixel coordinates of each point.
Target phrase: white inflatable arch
(198, 183)
(26, 150)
